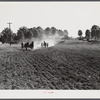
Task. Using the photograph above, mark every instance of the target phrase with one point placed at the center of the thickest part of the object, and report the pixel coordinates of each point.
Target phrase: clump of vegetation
(7, 35)
(91, 35)
(80, 34)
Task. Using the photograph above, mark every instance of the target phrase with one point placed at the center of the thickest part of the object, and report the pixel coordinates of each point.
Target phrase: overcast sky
(62, 15)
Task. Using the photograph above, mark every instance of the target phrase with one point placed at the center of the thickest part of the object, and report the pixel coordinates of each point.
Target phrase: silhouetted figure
(44, 44)
(26, 45)
(32, 45)
(47, 45)
(22, 45)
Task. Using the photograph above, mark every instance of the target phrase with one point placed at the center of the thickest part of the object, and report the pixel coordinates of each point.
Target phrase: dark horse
(44, 44)
(27, 45)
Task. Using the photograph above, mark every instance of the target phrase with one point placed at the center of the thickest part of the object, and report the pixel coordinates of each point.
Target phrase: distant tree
(23, 33)
(15, 38)
(95, 32)
(53, 30)
(80, 34)
(34, 32)
(2, 39)
(20, 34)
(60, 33)
(98, 34)
(40, 32)
(7, 35)
(66, 32)
(95, 27)
(87, 34)
(47, 30)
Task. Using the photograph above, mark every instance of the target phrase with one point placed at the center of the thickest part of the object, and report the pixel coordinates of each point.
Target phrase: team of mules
(27, 45)
(44, 44)
(31, 45)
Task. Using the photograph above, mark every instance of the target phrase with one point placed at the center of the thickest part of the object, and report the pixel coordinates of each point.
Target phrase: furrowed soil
(69, 65)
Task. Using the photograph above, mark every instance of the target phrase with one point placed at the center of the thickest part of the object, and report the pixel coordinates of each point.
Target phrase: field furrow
(63, 66)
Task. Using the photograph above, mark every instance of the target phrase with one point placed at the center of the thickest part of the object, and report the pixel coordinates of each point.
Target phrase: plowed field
(70, 65)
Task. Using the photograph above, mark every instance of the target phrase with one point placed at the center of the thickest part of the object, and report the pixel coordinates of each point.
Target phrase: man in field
(32, 45)
(22, 45)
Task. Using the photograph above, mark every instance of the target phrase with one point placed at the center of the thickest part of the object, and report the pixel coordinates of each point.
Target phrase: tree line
(90, 35)
(8, 36)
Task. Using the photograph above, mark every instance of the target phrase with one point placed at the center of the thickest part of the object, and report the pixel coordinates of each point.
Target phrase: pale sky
(71, 16)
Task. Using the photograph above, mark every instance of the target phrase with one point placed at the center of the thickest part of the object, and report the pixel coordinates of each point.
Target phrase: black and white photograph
(49, 46)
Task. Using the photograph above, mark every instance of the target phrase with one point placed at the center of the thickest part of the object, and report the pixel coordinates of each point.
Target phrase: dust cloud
(50, 39)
